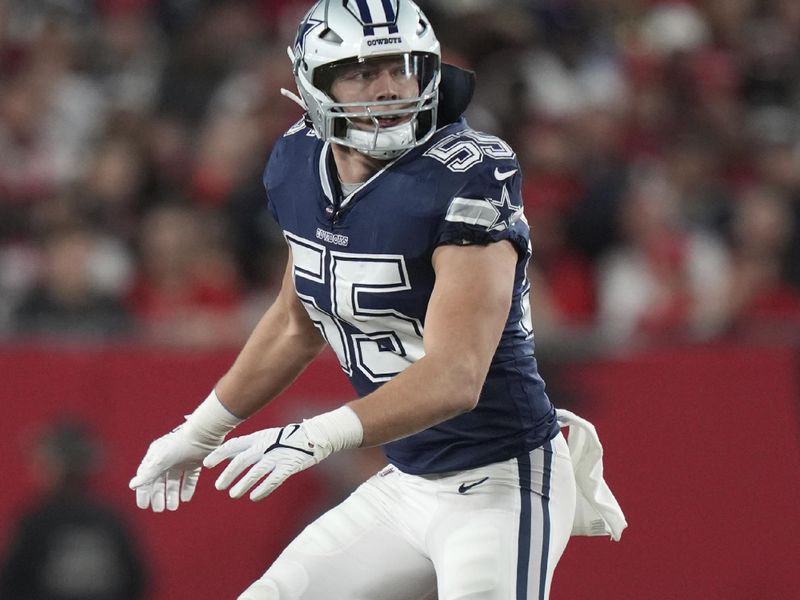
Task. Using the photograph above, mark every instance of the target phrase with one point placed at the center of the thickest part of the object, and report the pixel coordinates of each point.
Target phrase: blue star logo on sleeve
(491, 214)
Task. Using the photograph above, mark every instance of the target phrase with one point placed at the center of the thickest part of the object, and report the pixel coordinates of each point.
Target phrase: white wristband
(335, 430)
(211, 421)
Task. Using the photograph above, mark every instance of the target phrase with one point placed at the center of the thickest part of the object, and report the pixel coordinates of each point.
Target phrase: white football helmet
(340, 34)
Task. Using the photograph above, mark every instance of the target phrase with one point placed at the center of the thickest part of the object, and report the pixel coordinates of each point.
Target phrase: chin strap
(288, 93)
(294, 97)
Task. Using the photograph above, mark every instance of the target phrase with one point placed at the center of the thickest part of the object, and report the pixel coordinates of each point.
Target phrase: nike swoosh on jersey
(465, 487)
(503, 175)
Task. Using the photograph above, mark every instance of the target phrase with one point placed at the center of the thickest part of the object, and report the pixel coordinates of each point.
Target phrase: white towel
(597, 512)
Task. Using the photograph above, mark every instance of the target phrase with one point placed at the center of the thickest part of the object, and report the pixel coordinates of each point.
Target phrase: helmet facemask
(382, 129)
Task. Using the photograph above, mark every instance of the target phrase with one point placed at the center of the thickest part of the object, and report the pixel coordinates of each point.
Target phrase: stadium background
(660, 144)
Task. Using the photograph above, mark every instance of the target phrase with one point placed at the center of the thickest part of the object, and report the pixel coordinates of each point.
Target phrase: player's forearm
(430, 391)
(274, 355)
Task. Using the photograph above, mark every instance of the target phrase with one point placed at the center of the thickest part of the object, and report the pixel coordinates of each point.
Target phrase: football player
(408, 249)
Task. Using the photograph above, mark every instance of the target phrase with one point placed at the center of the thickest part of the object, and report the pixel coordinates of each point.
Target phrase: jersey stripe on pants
(525, 521)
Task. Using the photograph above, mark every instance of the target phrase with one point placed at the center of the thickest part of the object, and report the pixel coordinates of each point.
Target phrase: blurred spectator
(564, 297)
(663, 280)
(694, 168)
(774, 132)
(28, 169)
(187, 291)
(792, 255)
(604, 172)
(758, 294)
(72, 545)
(245, 117)
(221, 37)
(69, 300)
(128, 60)
(74, 108)
(113, 186)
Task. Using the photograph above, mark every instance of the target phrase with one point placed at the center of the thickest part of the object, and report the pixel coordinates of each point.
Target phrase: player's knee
(263, 589)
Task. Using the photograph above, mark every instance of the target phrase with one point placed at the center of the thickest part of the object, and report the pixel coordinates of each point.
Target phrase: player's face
(383, 79)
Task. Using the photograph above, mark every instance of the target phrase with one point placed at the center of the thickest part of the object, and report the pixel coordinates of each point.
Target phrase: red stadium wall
(702, 450)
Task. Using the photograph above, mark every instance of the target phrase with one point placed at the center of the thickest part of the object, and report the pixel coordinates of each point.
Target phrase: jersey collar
(332, 190)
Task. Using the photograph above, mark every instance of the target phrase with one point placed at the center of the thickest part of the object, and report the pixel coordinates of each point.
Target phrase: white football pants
(491, 533)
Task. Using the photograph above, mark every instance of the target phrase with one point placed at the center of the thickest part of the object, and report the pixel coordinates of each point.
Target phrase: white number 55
(379, 342)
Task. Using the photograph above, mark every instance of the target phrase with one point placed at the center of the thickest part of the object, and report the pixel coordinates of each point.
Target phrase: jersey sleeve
(487, 208)
(271, 172)
(282, 167)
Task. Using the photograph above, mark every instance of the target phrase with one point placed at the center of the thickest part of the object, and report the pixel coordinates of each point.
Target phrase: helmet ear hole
(329, 35)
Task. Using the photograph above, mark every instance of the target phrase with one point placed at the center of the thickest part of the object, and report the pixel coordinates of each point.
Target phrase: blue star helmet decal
(306, 27)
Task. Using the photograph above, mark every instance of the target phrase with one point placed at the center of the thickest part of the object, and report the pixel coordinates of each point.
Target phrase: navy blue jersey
(362, 268)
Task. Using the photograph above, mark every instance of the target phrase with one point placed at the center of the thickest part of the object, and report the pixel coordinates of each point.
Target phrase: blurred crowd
(659, 140)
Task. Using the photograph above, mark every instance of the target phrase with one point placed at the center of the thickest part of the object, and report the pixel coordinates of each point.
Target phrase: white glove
(277, 453)
(170, 469)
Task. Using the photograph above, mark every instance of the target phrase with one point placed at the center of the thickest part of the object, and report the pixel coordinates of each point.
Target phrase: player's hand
(271, 454)
(170, 469)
